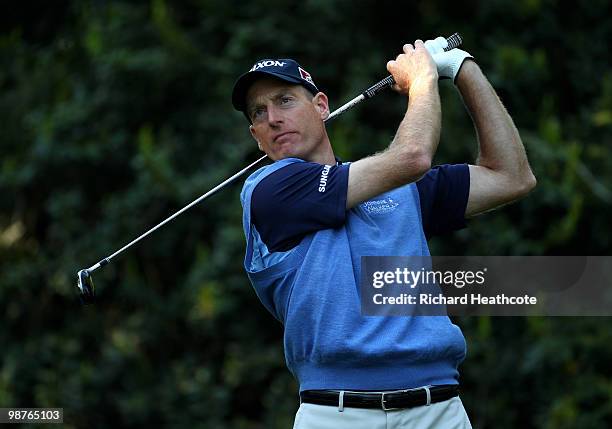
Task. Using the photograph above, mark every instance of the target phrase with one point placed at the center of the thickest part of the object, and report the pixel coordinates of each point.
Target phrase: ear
(254, 135)
(321, 103)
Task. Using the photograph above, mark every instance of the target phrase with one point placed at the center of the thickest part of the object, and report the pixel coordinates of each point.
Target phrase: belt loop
(428, 393)
(341, 401)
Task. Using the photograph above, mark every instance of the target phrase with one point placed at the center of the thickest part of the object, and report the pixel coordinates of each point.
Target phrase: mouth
(281, 135)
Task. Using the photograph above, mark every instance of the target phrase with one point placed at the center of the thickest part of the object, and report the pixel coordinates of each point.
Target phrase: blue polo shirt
(303, 258)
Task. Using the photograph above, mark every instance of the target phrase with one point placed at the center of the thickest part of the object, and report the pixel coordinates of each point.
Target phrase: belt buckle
(382, 403)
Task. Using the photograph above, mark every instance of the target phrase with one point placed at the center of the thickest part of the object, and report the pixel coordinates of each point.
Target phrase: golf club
(84, 279)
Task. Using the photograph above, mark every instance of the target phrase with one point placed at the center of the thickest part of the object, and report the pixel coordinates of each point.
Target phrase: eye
(257, 113)
(285, 99)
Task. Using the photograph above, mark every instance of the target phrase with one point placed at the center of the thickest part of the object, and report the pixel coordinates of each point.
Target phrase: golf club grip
(453, 41)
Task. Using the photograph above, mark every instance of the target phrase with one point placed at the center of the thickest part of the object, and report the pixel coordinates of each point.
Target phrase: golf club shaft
(453, 41)
(187, 207)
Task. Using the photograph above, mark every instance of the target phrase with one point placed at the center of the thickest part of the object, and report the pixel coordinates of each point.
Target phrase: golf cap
(284, 69)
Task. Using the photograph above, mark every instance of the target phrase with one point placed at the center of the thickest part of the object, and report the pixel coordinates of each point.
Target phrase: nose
(274, 116)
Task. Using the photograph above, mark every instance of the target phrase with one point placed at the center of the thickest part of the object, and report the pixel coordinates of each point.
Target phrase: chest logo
(386, 205)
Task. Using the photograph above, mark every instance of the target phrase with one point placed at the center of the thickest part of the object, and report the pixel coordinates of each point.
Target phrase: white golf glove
(448, 63)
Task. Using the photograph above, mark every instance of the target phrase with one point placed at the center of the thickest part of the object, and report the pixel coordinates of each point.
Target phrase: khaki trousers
(448, 414)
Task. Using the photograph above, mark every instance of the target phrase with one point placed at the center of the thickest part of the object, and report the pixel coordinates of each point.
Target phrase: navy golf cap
(284, 69)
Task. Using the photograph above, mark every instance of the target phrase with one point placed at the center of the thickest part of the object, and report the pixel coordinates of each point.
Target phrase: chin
(288, 154)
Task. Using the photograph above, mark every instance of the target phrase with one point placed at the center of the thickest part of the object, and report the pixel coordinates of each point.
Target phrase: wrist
(423, 84)
(467, 69)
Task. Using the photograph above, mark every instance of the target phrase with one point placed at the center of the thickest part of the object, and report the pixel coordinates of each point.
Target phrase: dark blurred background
(113, 115)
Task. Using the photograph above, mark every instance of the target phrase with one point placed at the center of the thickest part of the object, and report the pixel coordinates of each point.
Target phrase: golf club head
(86, 287)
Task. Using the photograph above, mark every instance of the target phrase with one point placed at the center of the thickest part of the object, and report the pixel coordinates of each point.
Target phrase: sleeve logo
(323, 180)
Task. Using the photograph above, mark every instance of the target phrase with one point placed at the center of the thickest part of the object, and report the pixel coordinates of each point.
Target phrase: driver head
(86, 287)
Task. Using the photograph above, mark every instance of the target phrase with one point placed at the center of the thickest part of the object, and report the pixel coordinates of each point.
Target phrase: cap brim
(245, 81)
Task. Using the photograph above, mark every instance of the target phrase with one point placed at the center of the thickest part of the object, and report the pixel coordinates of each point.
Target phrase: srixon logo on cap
(269, 63)
(305, 75)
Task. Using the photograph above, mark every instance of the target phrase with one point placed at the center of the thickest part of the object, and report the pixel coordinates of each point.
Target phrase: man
(308, 219)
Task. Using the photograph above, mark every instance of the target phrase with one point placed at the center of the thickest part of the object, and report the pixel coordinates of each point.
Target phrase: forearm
(410, 153)
(500, 146)
(419, 132)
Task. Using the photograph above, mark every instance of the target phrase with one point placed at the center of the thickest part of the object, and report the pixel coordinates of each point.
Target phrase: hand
(413, 67)
(447, 63)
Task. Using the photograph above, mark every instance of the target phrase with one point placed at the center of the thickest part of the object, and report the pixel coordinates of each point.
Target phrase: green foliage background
(115, 114)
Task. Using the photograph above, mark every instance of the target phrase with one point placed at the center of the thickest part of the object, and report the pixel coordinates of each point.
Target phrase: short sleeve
(298, 199)
(443, 194)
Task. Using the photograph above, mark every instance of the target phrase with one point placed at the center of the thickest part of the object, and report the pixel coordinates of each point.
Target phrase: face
(287, 119)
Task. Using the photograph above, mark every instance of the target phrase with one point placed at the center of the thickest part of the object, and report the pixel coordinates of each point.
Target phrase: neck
(325, 155)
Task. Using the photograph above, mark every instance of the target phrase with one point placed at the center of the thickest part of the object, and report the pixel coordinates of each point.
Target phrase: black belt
(396, 399)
